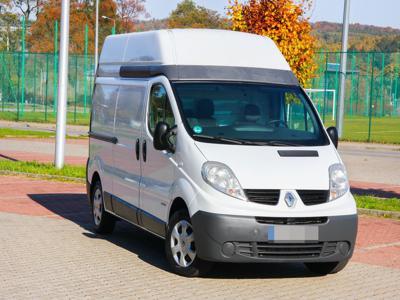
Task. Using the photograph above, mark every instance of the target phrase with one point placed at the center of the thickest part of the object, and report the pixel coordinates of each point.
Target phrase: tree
(189, 15)
(27, 7)
(10, 33)
(41, 36)
(285, 22)
(82, 12)
(128, 11)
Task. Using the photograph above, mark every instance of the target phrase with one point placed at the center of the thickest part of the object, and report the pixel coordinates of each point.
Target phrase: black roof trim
(195, 72)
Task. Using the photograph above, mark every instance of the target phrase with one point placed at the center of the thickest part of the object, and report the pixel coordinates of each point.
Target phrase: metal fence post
(23, 67)
(336, 87)
(370, 98)
(19, 85)
(3, 75)
(381, 109)
(353, 61)
(55, 60)
(366, 86)
(34, 81)
(47, 85)
(396, 76)
(325, 86)
(76, 85)
(85, 70)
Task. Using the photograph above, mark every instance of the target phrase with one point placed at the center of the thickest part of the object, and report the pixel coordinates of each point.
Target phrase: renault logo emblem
(290, 199)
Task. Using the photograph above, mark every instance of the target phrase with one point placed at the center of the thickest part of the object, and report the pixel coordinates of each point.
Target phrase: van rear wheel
(326, 267)
(103, 221)
(180, 247)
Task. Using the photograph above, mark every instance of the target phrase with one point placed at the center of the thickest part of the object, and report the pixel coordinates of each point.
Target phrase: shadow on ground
(375, 192)
(75, 207)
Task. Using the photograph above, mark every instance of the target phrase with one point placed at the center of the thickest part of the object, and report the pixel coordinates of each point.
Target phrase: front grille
(285, 250)
(313, 197)
(292, 221)
(269, 197)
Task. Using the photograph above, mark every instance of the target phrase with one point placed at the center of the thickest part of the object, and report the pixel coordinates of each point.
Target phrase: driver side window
(159, 108)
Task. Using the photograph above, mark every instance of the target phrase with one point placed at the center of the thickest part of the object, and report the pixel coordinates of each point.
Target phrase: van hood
(263, 167)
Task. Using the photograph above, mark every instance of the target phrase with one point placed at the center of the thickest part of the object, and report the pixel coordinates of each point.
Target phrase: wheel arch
(177, 204)
(95, 178)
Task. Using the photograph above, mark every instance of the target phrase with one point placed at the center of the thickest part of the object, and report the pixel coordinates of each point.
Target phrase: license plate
(292, 233)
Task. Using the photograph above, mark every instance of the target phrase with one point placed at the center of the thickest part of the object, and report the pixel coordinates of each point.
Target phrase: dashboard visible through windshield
(249, 114)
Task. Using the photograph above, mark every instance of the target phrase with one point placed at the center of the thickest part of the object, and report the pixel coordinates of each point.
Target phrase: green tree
(189, 15)
(10, 33)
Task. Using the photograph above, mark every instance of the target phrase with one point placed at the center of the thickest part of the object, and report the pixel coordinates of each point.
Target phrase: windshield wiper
(228, 140)
(246, 142)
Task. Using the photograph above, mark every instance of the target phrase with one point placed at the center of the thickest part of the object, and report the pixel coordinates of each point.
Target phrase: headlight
(221, 177)
(338, 182)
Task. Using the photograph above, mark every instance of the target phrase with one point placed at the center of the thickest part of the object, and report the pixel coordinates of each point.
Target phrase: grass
(39, 117)
(383, 130)
(18, 133)
(10, 132)
(37, 168)
(370, 202)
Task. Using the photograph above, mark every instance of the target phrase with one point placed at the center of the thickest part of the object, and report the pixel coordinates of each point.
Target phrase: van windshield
(249, 114)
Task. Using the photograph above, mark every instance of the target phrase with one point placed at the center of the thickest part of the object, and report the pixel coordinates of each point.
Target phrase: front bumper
(228, 238)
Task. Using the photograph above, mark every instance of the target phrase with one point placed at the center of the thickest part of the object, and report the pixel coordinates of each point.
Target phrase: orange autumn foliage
(40, 37)
(286, 23)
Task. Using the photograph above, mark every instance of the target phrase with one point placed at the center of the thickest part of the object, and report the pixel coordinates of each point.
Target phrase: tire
(327, 267)
(180, 236)
(104, 222)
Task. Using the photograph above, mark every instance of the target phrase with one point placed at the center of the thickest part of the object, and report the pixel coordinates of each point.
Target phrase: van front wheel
(326, 267)
(180, 247)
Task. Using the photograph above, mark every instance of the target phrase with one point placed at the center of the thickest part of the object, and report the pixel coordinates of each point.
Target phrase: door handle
(144, 150)
(137, 149)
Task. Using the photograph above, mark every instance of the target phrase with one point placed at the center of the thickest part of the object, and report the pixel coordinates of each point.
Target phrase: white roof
(205, 47)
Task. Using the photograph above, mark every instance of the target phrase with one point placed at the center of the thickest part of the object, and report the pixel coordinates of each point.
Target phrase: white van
(205, 139)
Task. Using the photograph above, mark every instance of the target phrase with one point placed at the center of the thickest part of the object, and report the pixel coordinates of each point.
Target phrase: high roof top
(197, 47)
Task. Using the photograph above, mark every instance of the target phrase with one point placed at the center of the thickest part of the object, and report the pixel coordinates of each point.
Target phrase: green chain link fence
(372, 108)
(28, 91)
(36, 100)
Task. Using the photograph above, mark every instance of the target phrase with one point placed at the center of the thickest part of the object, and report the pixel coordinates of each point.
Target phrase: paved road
(72, 130)
(372, 162)
(48, 251)
(42, 150)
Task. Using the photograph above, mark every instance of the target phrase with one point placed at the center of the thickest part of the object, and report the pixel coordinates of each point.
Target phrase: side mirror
(333, 134)
(160, 139)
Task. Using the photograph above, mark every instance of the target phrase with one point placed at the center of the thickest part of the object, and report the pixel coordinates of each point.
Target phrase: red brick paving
(378, 240)
(25, 196)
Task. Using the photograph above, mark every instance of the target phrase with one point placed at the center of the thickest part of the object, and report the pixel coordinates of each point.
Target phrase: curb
(379, 213)
(45, 176)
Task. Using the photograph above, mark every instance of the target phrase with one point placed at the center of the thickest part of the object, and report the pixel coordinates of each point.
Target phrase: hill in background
(361, 37)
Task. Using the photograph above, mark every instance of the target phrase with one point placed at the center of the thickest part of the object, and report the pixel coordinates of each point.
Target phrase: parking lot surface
(48, 251)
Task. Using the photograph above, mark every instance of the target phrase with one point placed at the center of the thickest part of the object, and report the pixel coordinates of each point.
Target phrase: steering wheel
(279, 122)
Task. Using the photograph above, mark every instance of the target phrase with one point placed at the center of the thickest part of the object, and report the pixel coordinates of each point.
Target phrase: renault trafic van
(205, 139)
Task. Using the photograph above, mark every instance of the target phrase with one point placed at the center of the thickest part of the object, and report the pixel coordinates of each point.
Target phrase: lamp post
(96, 38)
(343, 68)
(62, 86)
(111, 19)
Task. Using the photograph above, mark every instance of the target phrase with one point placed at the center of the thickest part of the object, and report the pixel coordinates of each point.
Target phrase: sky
(369, 12)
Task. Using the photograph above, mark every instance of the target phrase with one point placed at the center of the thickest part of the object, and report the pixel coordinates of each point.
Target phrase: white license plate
(292, 233)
